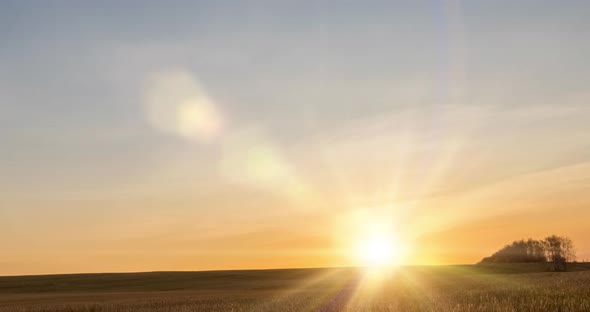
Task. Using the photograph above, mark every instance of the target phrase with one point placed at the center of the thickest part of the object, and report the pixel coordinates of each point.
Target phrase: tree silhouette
(554, 249)
(559, 251)
(519, 252)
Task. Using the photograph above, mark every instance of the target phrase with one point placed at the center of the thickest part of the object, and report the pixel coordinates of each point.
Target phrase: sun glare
(380, 250)
(374, 237)
(377, 251)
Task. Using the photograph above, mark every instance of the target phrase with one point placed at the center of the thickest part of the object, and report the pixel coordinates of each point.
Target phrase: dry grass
(458, 288)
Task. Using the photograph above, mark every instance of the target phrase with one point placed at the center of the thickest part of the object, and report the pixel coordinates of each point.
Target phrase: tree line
(556, 250)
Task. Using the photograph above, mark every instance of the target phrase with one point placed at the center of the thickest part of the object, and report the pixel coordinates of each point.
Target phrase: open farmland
(513, 287)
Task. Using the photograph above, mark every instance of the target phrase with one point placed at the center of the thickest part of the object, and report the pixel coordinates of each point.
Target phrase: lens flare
(176, 103)
(250, 158)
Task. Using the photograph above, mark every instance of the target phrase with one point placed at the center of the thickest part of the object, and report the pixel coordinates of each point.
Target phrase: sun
(379, 251)
(376, 251)
(375, 239)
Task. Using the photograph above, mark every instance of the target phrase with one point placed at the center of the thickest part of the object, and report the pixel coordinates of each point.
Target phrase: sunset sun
(379, 251)
(376, 251)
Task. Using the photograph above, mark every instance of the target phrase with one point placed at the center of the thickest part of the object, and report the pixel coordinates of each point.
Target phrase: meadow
(509, 287)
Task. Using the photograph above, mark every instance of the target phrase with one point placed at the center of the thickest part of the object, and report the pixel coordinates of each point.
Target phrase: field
(516, 287)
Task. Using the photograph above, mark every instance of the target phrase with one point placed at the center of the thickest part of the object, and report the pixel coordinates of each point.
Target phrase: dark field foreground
(521, 287)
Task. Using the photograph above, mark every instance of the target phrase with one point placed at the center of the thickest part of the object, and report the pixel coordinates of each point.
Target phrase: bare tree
(559, 251)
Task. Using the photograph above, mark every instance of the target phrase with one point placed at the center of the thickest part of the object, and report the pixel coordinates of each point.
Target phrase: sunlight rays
(335, 280)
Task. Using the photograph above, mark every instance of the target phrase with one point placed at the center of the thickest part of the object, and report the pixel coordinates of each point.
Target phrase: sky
(197, 135)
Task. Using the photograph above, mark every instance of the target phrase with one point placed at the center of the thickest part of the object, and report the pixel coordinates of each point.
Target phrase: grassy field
(515, 287)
